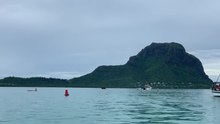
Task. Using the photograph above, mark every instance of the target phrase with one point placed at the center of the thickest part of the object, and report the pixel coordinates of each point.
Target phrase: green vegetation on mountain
(162, 65)
(32, 82)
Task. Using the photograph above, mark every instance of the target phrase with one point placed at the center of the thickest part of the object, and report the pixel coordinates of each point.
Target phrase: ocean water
(108, 106)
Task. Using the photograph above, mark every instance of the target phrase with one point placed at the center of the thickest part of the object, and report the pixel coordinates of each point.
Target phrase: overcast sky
(69, 38)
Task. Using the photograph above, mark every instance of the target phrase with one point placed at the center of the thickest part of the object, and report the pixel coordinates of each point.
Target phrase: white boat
(216, 88)
(146, 87)
(33, 90)
(143, 86)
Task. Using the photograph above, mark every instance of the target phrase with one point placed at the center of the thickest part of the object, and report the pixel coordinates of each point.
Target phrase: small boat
(103, 87)
(143, 86)
(216, 88)
(33, 90)
(146, 87)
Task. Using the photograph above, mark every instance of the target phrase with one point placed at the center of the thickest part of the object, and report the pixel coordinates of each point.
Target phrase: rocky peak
(169, 50)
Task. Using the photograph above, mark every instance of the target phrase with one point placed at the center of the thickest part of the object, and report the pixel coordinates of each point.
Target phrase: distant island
(33, 82)
(160, 65)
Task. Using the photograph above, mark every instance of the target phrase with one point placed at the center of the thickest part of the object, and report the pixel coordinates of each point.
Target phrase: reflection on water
(112, 106)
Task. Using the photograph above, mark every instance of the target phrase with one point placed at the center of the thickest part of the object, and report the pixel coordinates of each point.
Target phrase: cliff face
(163, 65)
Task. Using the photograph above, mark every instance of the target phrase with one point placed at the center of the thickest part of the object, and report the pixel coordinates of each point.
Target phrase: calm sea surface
(108, 106)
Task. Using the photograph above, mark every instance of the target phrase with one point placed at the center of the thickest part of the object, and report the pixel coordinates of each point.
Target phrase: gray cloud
(72, 37)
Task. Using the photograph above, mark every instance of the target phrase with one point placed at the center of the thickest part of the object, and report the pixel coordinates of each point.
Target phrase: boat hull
(148, 88)
(216, 93)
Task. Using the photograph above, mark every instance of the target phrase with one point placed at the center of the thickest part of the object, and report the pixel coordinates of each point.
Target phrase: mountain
(162, 65)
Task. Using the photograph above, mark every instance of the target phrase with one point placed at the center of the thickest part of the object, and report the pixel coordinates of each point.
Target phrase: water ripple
(111, 106)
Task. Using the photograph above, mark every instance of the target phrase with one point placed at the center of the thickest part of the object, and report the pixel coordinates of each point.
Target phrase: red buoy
(66, 93)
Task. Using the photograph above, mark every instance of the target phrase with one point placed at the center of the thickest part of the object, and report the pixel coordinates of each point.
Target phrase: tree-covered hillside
(33, 82)
(162, 65)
